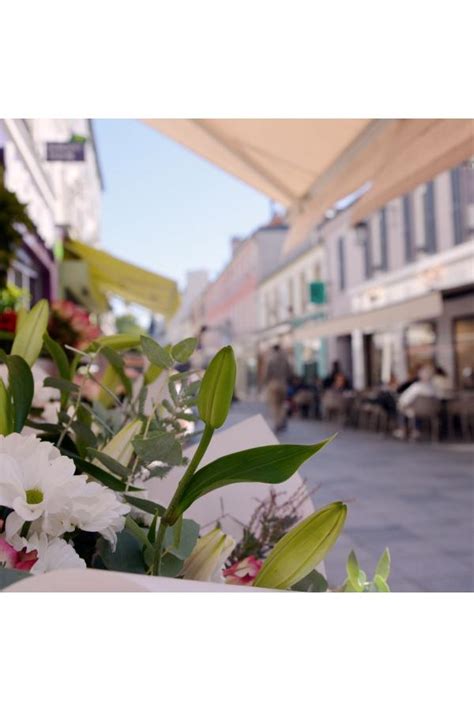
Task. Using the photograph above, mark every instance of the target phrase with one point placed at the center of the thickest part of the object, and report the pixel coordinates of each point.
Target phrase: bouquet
(73, 493)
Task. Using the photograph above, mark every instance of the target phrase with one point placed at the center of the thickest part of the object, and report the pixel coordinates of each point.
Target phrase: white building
(400, 286)
(62, 198)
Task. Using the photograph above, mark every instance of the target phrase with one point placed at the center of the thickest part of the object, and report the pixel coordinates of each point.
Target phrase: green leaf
(127, 557)
(6, 415)
(29, 337)
(65, 386)
(187, 540)
(110, 381)
(301, 549)
(272, 464)
(138, 533)
(58, 354)
(9, 577)
(314, 582)
(117, 364)
(21, 387)
(353, 570)
(217, 388)
(383, 566)
(96, 472)
(161, 447)
(183, 350)
(145, 505)
(155, 353)
(381, 584)
(119, 342)
(109, 462)
(152, 373)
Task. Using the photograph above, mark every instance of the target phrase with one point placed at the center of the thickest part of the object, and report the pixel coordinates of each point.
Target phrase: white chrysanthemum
(39, 484)
(98, 509)
(52, 554)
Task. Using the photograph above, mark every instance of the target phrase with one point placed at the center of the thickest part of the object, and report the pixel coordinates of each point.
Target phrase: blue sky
(166, 209)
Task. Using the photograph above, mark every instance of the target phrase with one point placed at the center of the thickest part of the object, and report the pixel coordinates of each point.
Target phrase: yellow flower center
(34, 496)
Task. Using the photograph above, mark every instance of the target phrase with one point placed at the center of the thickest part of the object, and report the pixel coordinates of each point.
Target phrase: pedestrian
(277, 375)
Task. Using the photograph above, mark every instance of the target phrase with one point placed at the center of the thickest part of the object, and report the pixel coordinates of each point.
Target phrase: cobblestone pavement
(416, 498)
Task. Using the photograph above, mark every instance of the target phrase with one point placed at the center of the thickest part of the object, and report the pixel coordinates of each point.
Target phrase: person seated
(441, 382)
(423, 386)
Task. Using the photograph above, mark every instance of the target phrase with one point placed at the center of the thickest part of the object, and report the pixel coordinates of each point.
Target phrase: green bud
(301, 549)
(217, 388)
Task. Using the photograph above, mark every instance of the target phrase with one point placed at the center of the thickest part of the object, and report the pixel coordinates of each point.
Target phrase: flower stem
(168, 517)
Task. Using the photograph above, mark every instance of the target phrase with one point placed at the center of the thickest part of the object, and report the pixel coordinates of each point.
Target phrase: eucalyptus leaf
(119, 342)
(9, 577)
(313, 582)
(187, 539)
(272, 464)
(127, 557)
(161, 447)
(155, 353)
(183, 350)
(116, 362)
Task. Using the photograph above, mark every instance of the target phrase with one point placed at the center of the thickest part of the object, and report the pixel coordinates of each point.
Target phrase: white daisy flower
(39, 484)
(52, 554)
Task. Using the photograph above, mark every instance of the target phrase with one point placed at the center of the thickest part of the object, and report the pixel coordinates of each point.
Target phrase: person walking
(277, 375)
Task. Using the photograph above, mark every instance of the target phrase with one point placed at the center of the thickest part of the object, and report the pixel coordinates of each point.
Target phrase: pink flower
(244, 571)
(19, 560)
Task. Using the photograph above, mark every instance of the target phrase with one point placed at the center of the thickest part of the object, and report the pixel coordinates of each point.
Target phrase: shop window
(463, 337)
(420, 341)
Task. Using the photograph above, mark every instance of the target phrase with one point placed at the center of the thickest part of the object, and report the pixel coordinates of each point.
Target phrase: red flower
(244, 571)
(8, 321)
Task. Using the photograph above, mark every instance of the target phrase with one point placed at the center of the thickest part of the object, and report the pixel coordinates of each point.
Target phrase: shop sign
(70, 152)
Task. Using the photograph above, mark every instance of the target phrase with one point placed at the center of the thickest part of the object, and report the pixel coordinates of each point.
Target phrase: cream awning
(95, 274)
(280, 157)
(309, 164)
(422, 307)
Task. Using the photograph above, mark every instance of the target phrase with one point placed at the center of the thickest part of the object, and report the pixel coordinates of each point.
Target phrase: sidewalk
(415, 498)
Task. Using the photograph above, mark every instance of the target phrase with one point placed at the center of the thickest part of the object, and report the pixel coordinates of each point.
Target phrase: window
(420, 345)
(367, 249)
(457, 206)
(408, 228)
(291, 297)
(430, 218)
(383, 240)
(341, 254)
(303, 291)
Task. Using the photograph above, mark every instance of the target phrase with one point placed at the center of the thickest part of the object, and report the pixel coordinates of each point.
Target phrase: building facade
(397, 289)
(228, 308)
(62, 197)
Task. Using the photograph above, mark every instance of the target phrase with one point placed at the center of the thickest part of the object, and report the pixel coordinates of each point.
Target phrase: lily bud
(208, 557)
(217, 388)
(301, 549)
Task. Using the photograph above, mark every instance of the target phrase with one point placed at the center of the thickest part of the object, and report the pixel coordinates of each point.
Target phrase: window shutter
(458, 226)
(408, 228)
(430, 218)
(341, 248)
(383, 240)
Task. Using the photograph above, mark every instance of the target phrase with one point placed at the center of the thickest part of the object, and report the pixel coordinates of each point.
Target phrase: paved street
(415, 498)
